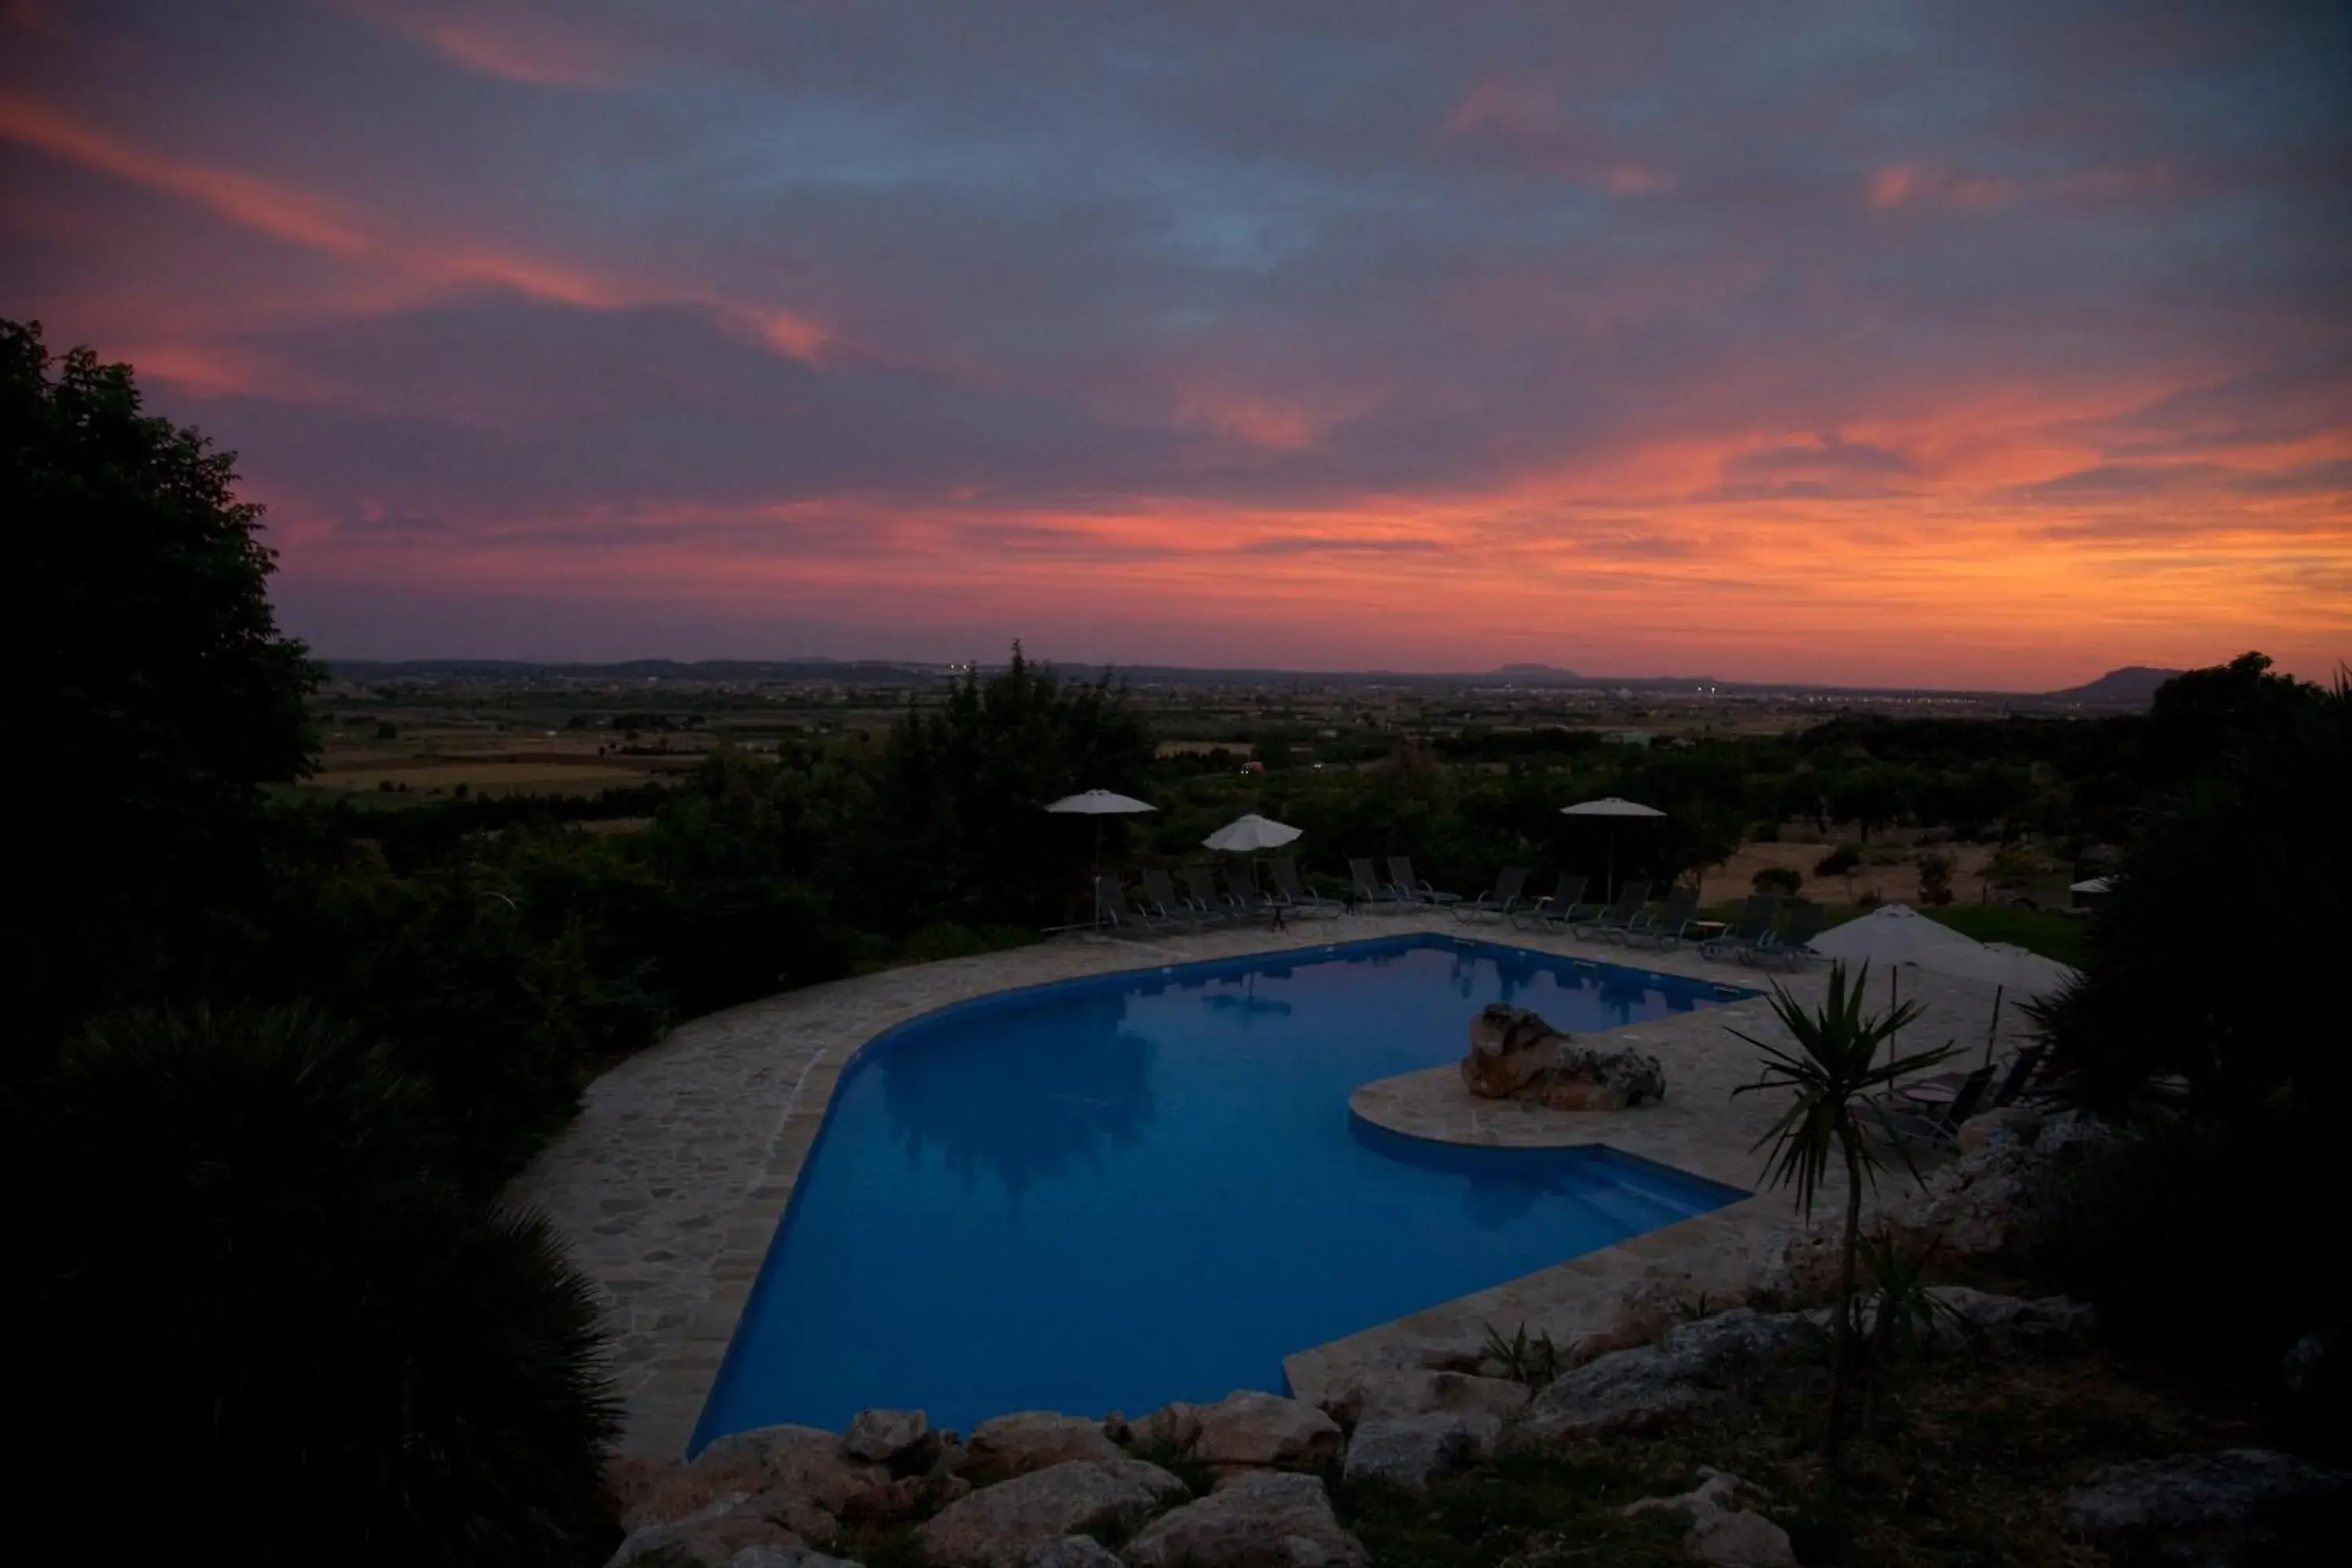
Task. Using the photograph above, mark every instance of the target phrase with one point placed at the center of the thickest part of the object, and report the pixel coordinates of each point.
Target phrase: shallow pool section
(1112, 1193)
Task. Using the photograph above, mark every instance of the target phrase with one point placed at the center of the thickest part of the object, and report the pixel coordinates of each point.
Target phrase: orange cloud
(1924, 186)
(299, 218)
(511, 48)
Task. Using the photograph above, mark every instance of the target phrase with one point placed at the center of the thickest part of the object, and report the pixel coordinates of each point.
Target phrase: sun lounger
(2013, 1084)
(1667, 926)
(1292, 894)
(1410, 889)
(1370, 891)
(1559, 907)
(1937, 1124)
(1752, 926)
(1615, 921)
(1498, 902)
(1800, 923)
(1114, 915)
(1159, 894)
(1249, 902)
(1201, 889)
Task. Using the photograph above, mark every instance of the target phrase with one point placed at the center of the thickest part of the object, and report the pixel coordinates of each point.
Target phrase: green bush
(2197, 1244)
(1782, 880)
(1839, 861)
(252, 1266)
(1935, 878)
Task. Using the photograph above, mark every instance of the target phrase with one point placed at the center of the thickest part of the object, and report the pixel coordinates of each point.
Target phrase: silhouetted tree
(155, 684)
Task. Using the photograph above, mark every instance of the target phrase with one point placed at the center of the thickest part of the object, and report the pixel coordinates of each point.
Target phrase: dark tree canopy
(163, 696)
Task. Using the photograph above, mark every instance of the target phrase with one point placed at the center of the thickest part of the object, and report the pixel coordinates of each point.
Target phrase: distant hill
(2134, 686)
(1538, 672)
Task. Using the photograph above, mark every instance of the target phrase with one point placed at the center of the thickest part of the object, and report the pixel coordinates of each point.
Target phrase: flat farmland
(488, 775)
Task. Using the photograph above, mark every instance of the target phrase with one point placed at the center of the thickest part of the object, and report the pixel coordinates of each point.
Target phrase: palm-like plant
(1832, 1073)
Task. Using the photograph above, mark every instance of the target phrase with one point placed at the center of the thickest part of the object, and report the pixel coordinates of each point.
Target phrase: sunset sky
(1966, 344)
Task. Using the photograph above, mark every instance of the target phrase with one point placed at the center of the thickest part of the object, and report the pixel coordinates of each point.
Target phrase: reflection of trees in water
(1026, 1103)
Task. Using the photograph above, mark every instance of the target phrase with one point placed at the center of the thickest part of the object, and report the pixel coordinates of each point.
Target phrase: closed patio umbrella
(1611, 805)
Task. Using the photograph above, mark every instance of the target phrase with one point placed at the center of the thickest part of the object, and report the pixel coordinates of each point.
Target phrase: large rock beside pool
(1516, 1055)
(1696, 1365)
(1009, 1445)
(1264, 1520)
(999, 1526)
(1393, 1392)
(1411, 1451)
(902, 1440)
(1268, 1430)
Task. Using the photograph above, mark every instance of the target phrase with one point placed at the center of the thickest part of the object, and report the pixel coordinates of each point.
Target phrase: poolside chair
(1410, 889)
(1370, 891)
(1752, 926)
(2013, 1084)
(1666, 926)
(1557, 908)
(1201, 889)
(1160, 895)
(1937, 1124)
(1618, 918)
(1800, 923)
(1114, 915)
(1292, 894)
(1250, 903)
(1509, 883)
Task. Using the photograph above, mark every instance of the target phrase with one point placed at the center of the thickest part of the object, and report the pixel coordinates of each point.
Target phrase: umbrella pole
(1994, 1028)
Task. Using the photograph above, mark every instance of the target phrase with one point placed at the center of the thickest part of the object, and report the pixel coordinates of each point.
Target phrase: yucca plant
(1895, 1311)
(1831, 1072)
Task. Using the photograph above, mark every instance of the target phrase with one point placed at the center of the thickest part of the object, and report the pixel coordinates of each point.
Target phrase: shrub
(1777, 879)
(2189, 1242)
(1839, 861)
(1935, 878)
(1871, 899)
(253, 1263)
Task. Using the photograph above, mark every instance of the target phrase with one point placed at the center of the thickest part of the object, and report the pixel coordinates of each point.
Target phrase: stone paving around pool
(669, 1187)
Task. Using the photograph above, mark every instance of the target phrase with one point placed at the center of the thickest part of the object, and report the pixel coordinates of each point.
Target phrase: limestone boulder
(1697, 1363)
(1247, 1427)
(999, 1526)
(1392, 1393)
(712, 1536)
(1510, 1048)
(900, 1439)
(1411, 1451)
(2214, 1510)
(1072, 1551)
(1722, 1526)
(1014, 1445)
(1175, 1426)
(1267, 1519)
(1515, 1055)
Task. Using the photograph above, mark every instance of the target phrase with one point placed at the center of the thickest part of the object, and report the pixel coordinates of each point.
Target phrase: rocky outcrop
(1382, 1393)
(1173, 1426)
(1515, 1055)
(1411, 1451)
(712, 1536)
(1697, 1363)
(1072, 1551)
(1264, 1520)
(2214, 1510)
(999, 1526)
(1978, 1205)
(901, 1440)
(1009, 1445)
(1721, 1525)
(1266, 1430)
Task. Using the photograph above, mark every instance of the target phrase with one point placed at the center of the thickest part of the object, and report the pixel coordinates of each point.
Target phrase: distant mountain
(1538, 672)
(2134, 686)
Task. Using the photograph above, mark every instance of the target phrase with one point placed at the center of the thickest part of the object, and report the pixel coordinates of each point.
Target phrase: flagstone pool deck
(669, 1185)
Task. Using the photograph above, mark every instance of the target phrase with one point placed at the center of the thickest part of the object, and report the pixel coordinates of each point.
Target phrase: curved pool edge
(669, 1188)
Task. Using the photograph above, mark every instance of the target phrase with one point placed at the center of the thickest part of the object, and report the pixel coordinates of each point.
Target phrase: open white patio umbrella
(1249, 834)
(1898, 933)
(1611, 805)
(1100, 804)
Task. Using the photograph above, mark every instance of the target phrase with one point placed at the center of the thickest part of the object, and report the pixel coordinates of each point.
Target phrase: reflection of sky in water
(1121, 1192)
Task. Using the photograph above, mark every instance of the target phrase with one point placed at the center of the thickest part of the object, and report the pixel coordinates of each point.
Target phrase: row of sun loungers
(1768, 929)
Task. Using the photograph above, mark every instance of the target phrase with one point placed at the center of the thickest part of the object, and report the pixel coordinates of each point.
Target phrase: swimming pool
(1111, 1193)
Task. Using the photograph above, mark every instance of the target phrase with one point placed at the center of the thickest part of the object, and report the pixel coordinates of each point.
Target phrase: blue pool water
(1112, 1193)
